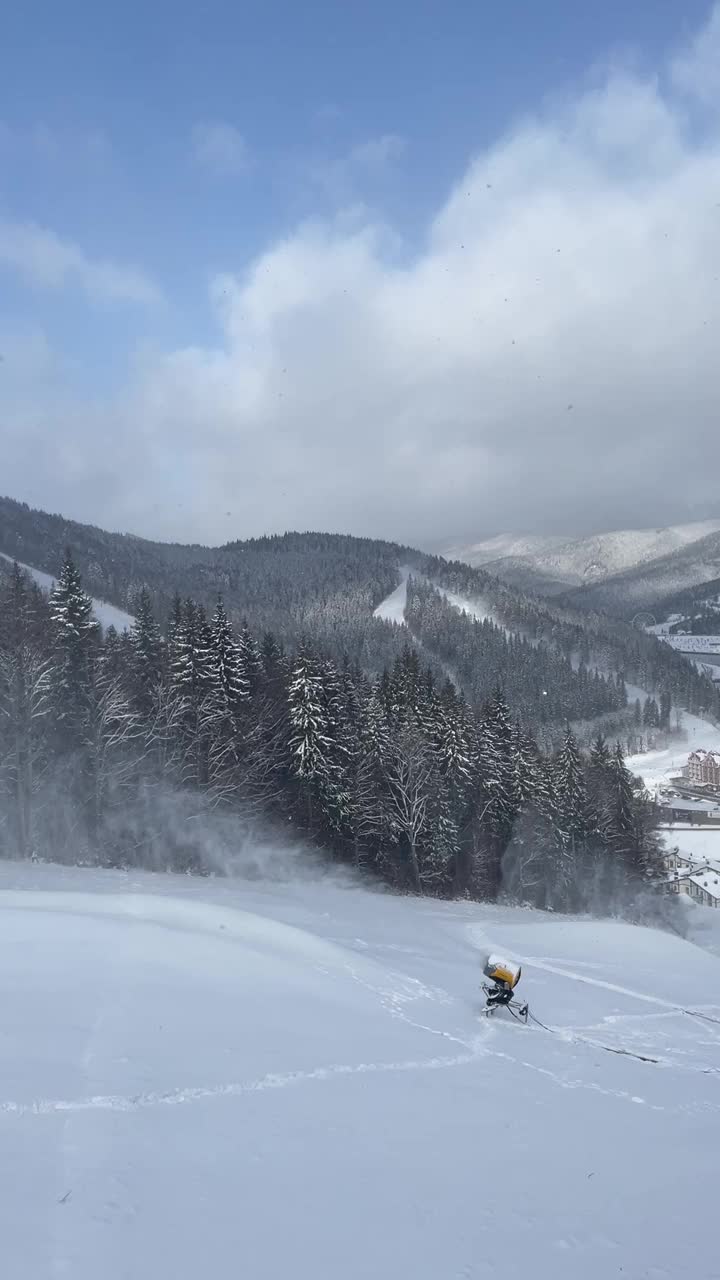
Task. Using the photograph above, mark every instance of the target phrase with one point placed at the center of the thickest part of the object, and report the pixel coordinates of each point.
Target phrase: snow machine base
(519, 1012)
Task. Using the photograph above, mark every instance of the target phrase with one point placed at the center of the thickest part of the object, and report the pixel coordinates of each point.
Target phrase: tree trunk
(414, 866)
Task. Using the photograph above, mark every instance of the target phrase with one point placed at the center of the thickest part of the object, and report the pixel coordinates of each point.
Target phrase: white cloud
(548, 359)
(42, 257)
(696, 70)
(219, 148)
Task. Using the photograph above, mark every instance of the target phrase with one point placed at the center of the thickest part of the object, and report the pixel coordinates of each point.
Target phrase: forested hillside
(321, 589)
(129, 750)
(594, 640)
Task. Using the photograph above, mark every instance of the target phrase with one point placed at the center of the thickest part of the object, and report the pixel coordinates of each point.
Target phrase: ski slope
(108, 615)
(392, 608)
(207, 1078)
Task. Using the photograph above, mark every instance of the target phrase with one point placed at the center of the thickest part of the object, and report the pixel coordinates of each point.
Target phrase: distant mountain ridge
(648, 586)
(553, 564)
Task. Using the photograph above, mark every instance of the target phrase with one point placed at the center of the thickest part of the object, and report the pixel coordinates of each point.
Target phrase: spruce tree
(75, 635)
(226, 678)
(250, 662)
(147, 656)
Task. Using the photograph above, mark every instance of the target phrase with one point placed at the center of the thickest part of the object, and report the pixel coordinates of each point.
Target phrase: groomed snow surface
(211, 1079)
(107, 614)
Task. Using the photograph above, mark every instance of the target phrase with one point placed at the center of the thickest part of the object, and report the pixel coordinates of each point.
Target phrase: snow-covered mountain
(211, 1078)
(553, 563)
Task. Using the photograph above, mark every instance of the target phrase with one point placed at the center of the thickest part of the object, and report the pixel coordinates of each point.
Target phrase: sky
(420, 271)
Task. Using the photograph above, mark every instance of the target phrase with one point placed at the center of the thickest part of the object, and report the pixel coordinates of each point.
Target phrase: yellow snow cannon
(499, 970)
(503, 976)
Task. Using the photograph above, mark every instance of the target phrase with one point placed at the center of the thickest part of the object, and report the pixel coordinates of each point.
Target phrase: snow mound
(196, 1072)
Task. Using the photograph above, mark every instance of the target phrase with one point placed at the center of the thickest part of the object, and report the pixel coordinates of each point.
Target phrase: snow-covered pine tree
(25, 705)
(651, 714)
(75, 639)
(147, 656)
(621, 816)
(250, 661)
(495, 804)
(410, 779)
(574, 824)
(368, 799)
(310, 733)
(190, 681)
(227, 679)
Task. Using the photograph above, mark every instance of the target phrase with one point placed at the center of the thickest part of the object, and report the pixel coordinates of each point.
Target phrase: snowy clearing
(200, 1076)
(107, 614)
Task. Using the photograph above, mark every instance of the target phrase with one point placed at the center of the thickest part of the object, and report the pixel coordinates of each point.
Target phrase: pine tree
(310, 732)
(226, 677)
(651, 714)
(250, 662)
(575, 824)
(495, 801)
(621, 809)
(190, 677)
(75, 640)
(25, 705)
(147, 656)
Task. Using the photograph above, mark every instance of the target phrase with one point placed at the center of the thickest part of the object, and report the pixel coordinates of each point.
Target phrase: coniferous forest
(119, 749)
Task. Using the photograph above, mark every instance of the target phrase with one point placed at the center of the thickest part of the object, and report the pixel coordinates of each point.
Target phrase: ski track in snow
(274, 1080)
(283, 1080)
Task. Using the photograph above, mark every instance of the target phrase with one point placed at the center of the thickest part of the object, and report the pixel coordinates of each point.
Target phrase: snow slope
(107, 614)
(202, 1078)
